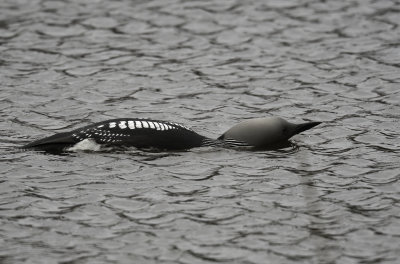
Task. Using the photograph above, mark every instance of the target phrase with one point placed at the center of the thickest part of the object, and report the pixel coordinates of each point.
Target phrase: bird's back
(141, 133)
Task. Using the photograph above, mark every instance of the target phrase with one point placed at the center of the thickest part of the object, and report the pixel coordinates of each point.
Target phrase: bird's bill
(305, 126)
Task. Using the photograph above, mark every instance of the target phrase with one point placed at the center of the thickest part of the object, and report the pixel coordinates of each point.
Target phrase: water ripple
(331, 196)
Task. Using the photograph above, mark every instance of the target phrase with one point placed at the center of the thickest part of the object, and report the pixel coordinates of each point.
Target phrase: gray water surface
(332, 198)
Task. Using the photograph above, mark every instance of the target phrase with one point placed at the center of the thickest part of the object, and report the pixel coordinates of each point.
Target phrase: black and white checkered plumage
(140, 133)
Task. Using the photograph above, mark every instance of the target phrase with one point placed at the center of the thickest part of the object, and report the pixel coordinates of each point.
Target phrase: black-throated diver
(147, 133)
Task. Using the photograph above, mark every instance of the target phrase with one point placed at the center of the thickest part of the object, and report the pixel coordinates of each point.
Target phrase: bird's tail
(57, 142)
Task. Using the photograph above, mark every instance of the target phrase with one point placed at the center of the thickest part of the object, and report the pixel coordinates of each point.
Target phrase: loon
(148, 133)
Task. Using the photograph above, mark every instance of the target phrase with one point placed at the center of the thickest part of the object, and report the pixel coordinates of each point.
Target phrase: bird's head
(265, 132)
